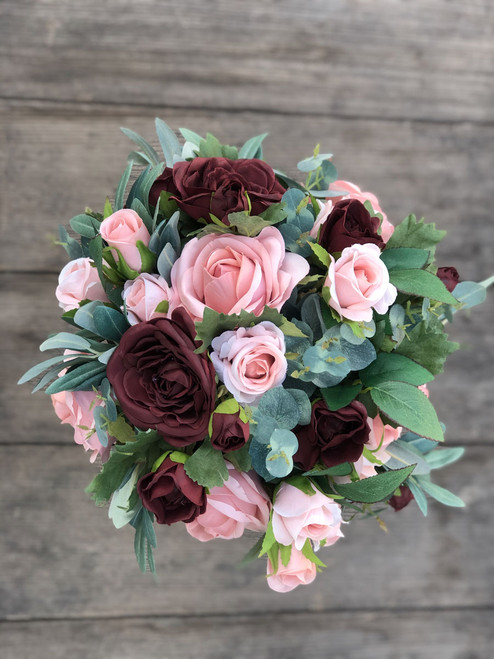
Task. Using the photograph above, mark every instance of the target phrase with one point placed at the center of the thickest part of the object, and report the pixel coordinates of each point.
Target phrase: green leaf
(275, 213)
(343, 469)
(85, 225)
(84, 316)
(418, 495)
(190, 136)
(65, 341)
(162, 307)
(376, 488)
(168, 141)
(418, 234)
(309, 553)
(405, 258)
(212, 148)
(392, 366)
(252, 148)
(440, 493)
(428, 345)
(441, 457)
(142, 144)
(206, 466)
(43, 366)
(122, 186)
(469, 293)
(422, 284)
(285, 553)
(340, 396)
(80, 378)
(408, 407)
(402, 453)
(247, 225)
(322, 255)
(71, 245)
(302, 484)
(110, 323)
(304, 405)
(121, 430)
(252, 554)
(241, 459)
(107, 209)
(144, 540)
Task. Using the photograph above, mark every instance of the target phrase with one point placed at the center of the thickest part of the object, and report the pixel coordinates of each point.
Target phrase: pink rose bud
(122, 230)
(228, 273)
(239, 504)
(299, 572)
(250, 360)
(354, 192)
(78, 281)
(298, 516)
(322, 216)
(76, 409)
(380, 437)
(143, 294)
(359, 282)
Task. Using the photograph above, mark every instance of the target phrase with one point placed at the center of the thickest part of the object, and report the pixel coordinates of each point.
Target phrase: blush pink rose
(299, 572)
(359, 282)
(122, 230)
(143, 294)
(239, 504)
(322, 216)
(79, 280)
(298, 516)
(228, 273)
(354, 192)
(76, 409)
(250, 360)
(380, 437)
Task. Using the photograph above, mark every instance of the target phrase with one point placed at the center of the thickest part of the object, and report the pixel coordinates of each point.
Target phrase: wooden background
(403, 94)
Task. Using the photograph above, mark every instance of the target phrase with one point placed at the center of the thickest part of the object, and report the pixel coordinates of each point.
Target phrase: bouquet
(251, 352)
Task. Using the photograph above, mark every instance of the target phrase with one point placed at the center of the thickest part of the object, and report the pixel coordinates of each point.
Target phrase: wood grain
(385, 59)
(62, 557)
(339, 635)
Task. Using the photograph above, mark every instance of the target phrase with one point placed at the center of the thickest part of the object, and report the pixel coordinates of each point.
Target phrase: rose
(449, 276)
(298, 516)
(143, 294)
(359, 282)
(160, 382)
(228, 273)
(171, 495)
(354, 192)
(250, 360)
(219, 186)
(122, 230)
(349, 223)
(299, 571)
(239, 504)
(399, 501)
(229, 432)
(78, 281)
(332, 437)
(76, 409)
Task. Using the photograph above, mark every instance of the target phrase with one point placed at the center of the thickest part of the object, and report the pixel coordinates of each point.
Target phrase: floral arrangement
(251, 352)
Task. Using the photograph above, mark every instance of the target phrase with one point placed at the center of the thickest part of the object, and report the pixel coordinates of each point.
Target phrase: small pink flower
(354, 192)
(250, 360)
(298, 516)
(299, 572)
(424, 389)
(76, 409)
(322, 216)
(359, 282)
(143, 294)
(78, 281)
(239, 504)
(228, 273)
(122, 230)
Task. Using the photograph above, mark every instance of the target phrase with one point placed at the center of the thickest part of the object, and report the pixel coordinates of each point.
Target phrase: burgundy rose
(399, 501)
(349, 223)
(171, 495)
(449, 276)
(332, 437)
(161, 383)
(219, 186)
(229, 432)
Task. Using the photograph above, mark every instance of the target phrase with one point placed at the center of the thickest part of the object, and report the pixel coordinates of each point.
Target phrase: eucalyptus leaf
(168, 141)
(252, 147)
(110, 323)
(66, 341)
(122, 186)
(79, 378)
(142, 144)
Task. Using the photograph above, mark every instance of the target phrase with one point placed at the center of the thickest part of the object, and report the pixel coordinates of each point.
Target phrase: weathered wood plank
(30, 313)
(420, 60)
(61, 556)
(342, 635)
(57, 160)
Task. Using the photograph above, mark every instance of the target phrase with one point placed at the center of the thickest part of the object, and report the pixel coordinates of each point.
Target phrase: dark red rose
(229, 432)
(161, 383)
(349, 223)
(398, 502)
(219, 186)
(449, 276)
(171, 495)
(332, 437)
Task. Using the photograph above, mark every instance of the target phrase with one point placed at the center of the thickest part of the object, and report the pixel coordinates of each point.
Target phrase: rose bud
(229, 432)
(122, 230)
(78, 281)
(449, 276)
(299, 572)
(399, 501)
(349, 223)
(143, 294)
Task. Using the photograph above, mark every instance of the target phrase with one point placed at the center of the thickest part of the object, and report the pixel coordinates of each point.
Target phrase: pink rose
(250, 360)
(76, 409)
(354, 192)
(122, 230)
(229, 273)
(239, 504)
(359, 282)
(143, 294)
(380, 437)
(322, 216)
(79, 280)
(298, 516)
(299, 572)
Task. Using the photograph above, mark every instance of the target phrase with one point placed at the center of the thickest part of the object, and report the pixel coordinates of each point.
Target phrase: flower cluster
(252, 352)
